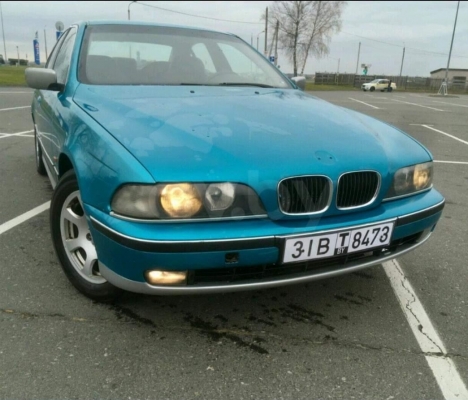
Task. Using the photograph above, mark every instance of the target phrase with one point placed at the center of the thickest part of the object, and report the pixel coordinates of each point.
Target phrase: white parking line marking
(23, 217)
(21, 134)
(14, 108)
(451, 104)
(445, 133)
(359, 101)
(442, 366)
(451, 162)
(419, 105)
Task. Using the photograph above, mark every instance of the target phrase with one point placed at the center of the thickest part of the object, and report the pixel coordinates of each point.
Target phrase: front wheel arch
(73, 242)
(64, 164)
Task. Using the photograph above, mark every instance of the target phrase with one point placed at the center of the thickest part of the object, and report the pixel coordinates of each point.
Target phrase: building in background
(456, 77)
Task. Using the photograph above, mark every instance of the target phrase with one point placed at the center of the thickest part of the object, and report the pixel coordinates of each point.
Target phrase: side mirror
(300, 82)
(42, 78)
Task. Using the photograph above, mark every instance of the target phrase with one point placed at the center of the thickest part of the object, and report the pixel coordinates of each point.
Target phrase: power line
(260, 23)
(401, 46)
(199, 16)
(373, 40)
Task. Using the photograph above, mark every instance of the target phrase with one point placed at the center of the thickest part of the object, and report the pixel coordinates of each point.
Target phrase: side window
(55, 50)
(202, 53)
(62, 62)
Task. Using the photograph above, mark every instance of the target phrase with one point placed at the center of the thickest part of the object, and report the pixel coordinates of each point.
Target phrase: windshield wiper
(246, 84)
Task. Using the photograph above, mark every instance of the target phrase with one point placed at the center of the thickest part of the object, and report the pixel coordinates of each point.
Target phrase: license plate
(337, 243)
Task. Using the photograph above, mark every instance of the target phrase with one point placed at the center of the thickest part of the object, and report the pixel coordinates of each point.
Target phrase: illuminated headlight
(180, 200)
(411, 179)
(186, 201)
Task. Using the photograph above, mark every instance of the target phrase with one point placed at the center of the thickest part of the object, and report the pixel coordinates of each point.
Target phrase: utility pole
(266, 31)
(3, 33)
(17, 51)
(450, 53)
(402, 59)
(338, 70)
(272, 43)
(358, 53)
(45, 44)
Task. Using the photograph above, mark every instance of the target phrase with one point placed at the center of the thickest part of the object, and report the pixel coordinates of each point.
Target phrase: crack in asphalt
(125, 314)
(410, 309)
(353, 345)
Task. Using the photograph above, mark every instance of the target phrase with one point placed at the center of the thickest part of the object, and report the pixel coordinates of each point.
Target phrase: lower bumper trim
(143, 287)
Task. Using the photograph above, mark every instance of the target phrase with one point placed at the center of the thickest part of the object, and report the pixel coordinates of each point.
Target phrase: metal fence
(402, 82)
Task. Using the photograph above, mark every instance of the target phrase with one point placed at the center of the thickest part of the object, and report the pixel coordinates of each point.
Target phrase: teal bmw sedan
(184, 162)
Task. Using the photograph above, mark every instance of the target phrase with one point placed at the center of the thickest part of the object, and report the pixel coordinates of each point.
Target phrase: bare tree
(306, 28)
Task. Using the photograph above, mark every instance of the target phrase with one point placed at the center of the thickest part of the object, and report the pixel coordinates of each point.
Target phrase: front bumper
(127, 249)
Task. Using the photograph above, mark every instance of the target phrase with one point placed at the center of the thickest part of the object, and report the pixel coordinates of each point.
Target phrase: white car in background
(378, 84)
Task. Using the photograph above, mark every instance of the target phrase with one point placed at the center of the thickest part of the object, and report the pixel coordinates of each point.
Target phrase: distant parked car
(184, 177)
(378, 84)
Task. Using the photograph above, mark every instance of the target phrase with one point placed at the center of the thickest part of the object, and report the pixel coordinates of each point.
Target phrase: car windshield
(375, 81)
(154, 55)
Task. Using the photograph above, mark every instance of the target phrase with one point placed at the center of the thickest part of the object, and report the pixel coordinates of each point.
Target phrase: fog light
(158, 277)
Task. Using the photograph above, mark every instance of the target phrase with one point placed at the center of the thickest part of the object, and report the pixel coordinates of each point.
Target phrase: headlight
(137, 201)
(220, 196)
(186, 200)
(180, 200)
(410, 180)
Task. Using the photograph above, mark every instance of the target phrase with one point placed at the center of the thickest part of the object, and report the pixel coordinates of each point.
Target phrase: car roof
(146, 23)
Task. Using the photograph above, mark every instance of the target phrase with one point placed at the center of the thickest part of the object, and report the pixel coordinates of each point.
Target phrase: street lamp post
(128, 9)
(3, 33)
(17, 51)
(258, 36)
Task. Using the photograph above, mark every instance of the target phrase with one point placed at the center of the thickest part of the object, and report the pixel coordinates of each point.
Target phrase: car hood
(243, 134)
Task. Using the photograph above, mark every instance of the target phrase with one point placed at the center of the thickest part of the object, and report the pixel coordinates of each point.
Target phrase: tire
(383, 90)
(73, 242)
(40, 167)
(372, 88)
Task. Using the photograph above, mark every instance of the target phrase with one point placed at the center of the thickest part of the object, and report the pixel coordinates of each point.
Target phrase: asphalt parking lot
(342, 338)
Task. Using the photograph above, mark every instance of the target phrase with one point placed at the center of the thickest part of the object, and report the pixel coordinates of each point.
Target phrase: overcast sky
(423, 28)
